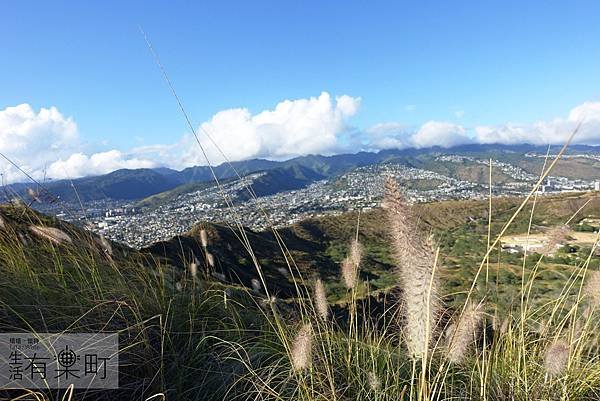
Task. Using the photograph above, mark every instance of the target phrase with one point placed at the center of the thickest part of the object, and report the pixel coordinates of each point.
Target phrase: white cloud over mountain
(46, 143)
(292, 128)
(79, 164)
(447, 134)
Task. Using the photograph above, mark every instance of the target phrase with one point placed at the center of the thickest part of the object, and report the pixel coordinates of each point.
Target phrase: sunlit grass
(526, 330)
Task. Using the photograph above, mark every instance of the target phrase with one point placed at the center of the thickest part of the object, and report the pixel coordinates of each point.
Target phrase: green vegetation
(215, 335)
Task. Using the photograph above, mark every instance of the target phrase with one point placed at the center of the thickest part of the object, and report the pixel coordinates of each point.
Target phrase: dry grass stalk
(52, 234)
(2, 223)
(463, 333)
(592, 289)
(302, 348)
(203, 238)
(415, 256)
(320, 298)
(556, 358)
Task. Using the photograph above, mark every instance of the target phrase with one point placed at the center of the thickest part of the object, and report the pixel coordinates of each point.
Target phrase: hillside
(207, 332)
(317, 246)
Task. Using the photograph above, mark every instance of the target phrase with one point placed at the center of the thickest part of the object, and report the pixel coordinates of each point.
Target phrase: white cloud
(433, 133)
(46, 144)
(553, 132)
(448, 134)
(439, 133)
(388, 136)
(292, 128)
(32, 139)
(79, 164)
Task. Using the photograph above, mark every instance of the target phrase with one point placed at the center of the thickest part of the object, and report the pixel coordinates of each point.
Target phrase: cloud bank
(45, 143)
(447, 134)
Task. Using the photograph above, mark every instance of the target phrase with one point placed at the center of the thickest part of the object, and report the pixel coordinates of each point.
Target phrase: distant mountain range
(279, 175)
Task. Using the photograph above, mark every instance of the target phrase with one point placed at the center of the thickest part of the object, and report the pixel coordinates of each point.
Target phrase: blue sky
(463, 64)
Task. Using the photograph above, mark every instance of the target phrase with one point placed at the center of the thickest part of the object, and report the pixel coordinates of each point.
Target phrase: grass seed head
(320, 299)
(592, 289)
(193, 269)
(349, 273)
(210, 259)
(34, 195)
(351, 264)
(373, 381)
(104, 245)
(255, 283)
(463, 333)
(203, 238)
(555, 237)
(556, 358)
(415, 257)
(302, 348)
(51, 234)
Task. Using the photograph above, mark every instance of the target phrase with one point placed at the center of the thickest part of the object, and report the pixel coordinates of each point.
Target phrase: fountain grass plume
(210, 259)
(301, 351)
(592, 289)
(555, 237)
(351, 263)
(320, 299)
(462, 333)
(348, 273)
(415, 257)
(373, 381)
(104, 245)
(203, 238)
(255, 283)
(193, 267)
(51, 234)
(556, 358)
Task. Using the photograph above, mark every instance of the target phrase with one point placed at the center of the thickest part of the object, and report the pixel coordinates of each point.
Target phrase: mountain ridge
(135, 184)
